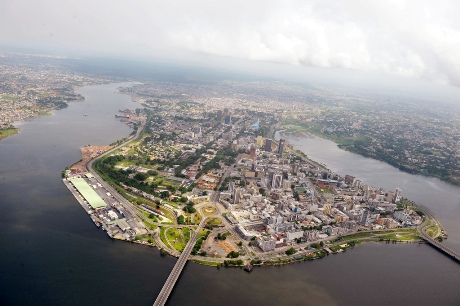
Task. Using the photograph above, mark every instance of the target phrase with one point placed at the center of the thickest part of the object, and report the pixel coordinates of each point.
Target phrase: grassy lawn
(150, 226)
(202, 233)
(358, 236)
(214, 221)
(209, 210)
(186, 232)
(7, 132)
(162, 235)
(208, 263)
(196, 217)
(432, 231)
(126, 163)
(400, 236)
(145, 238)
(336, 248)
(174, 237)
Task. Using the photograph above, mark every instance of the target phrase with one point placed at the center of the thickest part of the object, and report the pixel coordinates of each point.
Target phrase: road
(178, 267)
(124, 202)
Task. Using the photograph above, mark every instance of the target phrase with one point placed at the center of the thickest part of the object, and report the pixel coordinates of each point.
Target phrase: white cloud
(418, 38)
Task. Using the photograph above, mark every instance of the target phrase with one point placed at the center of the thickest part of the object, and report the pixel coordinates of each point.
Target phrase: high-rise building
(219, 115)
(277, 181)
(286, 185)
(237, 192)
(295, 169)
(398, 195)
(281, 148)
(252, 151)
(268, 145)
(349, 180)
(228, 119)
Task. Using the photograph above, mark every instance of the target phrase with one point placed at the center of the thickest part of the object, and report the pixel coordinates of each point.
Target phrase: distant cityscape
(260, 200)
(413, 135)
(32, 85)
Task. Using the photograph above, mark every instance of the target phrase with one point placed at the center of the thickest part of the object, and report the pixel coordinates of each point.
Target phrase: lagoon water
(52, 254)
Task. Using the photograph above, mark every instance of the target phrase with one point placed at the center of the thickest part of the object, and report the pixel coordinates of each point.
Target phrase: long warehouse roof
(88, 193)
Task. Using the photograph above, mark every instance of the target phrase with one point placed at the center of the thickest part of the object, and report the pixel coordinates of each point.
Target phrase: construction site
(88, 153)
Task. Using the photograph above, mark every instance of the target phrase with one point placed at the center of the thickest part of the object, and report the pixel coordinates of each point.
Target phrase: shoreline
(307, 253)
(311, 135)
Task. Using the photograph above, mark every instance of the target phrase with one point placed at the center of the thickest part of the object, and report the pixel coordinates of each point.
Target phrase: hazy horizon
(416, 40)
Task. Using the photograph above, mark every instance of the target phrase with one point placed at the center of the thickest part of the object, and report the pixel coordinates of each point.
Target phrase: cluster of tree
(233, 254)
(256, 261)
(317, 245)
(180, 220)
(291, 251)
(199, 242)
(238, 262)
(226, 155)
(222, 236)
(189, 207)
(122, 176)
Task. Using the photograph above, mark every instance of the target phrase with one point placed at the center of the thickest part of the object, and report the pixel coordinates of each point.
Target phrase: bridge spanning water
(178, 267)
(441, 247)
(433, 242)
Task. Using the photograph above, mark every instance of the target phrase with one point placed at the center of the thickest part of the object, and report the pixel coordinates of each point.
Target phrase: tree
(233, 254)
(181, 220)
(291, 251)
(140, 176)
(164, 194)
(152, 172)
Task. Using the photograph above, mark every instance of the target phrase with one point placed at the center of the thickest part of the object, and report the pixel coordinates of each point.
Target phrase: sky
(417, 39)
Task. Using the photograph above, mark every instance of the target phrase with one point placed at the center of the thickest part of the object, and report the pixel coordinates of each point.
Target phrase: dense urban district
(32, 85)
(415, 135)
(202, 164)
(208, 172)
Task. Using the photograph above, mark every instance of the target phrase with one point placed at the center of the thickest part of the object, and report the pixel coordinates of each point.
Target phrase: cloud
(414, 39)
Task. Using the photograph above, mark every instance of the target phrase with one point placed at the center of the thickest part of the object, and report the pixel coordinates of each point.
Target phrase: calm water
(441, 198)
(52, 254)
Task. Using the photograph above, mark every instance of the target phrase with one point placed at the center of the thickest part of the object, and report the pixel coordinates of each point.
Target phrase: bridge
(178, 267)
(433, 242)
(442, 247)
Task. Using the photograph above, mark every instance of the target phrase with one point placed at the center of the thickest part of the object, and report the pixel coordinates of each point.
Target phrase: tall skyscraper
(219, 115)
(252, 151)
(277, 181)
(281, 148)
(398, 195)
(228, 119)
(268, 145)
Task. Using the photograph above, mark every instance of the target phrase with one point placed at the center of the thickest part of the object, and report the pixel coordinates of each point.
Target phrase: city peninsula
(211, 178)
